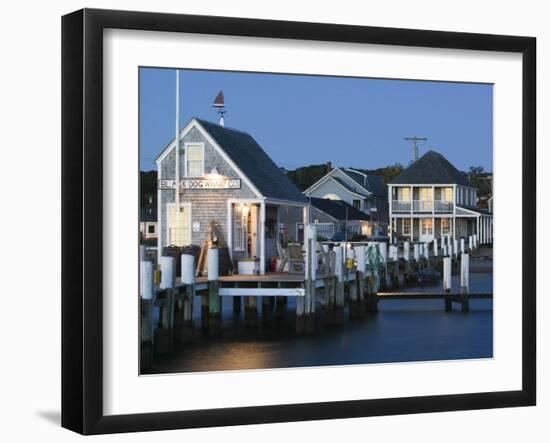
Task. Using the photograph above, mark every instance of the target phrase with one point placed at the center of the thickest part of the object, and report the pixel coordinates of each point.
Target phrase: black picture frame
(82, 155)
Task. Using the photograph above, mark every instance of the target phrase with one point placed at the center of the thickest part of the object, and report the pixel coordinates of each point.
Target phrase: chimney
(329, 167)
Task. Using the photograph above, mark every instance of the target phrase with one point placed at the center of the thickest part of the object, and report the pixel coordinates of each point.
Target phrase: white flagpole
(177, 151)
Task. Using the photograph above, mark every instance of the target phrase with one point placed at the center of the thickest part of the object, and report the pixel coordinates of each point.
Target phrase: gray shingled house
(431, 199)
(228, 179)
(329, 216)
(365, 192)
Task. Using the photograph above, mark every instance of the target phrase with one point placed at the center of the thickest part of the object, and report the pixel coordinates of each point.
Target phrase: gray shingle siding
(206, 205)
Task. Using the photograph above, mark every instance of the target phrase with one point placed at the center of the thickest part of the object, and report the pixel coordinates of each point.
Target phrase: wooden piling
(236, 306)
(146, 307)
(372, 291)
(416, 254)
(251, 312)
(447, 269)
(214, 299)
(266, 308)
(339, 287)
(163, 335)
(185, 333)
(465, 282)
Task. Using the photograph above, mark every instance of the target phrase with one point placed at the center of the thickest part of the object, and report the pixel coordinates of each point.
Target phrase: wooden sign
(201, 183)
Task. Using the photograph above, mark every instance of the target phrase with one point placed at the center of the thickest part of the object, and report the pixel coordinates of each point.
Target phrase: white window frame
(400, 194)
(449, 226)
(244, 232)
(186, 147)
(403, 226)
(426, 220)
(187, 206)
(445, 194)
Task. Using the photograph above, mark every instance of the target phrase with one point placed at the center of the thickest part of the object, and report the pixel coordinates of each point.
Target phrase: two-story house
(365, 192)
(431, 199)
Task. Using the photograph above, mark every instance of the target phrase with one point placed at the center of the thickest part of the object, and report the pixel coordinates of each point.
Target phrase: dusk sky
(303, 120)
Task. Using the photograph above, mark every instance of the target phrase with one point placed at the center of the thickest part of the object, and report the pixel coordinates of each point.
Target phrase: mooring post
(447, 270)
(407, 256)
(236, 305)
(455, 248)
(462, 251)
(163, 335)
(339, 289)
(279, 305)
(361, 278)
(436, 248)
(372, 290)
(465, 282)
(214, 301)
(188, 279)
(383, 248)
(416, 254)
(470, 243)
(251, 311)
(266, 307)
(427, 253)
(311, 275)
(146, 292)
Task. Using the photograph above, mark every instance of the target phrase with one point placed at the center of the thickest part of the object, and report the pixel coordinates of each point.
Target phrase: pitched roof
(349, 188)
(252, 160)
(337, 209)
(431, 168)
(372, 183)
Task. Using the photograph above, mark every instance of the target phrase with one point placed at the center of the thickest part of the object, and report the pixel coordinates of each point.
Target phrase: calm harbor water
(402, 330)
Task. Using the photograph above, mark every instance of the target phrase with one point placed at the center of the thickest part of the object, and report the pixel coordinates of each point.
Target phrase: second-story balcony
(422, 207)
(401, 206)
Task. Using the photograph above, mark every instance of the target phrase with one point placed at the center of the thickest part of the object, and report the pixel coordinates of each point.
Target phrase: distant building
(331, 217)
(431, 199)
(365, 192)
(148, 225)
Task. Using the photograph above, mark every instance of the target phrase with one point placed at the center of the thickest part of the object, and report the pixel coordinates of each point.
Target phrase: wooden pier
(333, 279)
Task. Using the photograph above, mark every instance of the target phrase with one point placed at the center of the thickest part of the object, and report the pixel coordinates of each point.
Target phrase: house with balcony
(365, 192)
(432, 199)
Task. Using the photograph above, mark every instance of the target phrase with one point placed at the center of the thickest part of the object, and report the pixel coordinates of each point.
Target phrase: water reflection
(403, 330)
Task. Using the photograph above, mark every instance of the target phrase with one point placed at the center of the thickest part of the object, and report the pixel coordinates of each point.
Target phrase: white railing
(325, 229)
(401, 206)
(444, 206)
(438, 206)
(422, 206)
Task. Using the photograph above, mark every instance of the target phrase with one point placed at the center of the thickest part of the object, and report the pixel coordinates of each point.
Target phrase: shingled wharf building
(225, 178)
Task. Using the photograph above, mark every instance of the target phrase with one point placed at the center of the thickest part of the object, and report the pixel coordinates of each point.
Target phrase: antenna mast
(415, 141)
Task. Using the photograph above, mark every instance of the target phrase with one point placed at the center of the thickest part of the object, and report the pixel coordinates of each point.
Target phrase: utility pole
(415, 141)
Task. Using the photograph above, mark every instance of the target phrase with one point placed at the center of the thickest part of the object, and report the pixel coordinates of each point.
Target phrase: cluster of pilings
(336, 277)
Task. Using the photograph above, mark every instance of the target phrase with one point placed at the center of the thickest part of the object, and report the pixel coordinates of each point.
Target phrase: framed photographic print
(269, 221)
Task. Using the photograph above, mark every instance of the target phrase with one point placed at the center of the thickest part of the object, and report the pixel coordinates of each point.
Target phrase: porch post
(230, 228)
(262, 238)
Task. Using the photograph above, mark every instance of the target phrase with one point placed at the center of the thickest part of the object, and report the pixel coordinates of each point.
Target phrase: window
(426, 194)
(445, 226)
(179, 226)
(240, 215)
(151, 229)
(405, 194)
(406, 226)
(195, 160)
(357, 204)
(426, 226)
(448, 194)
